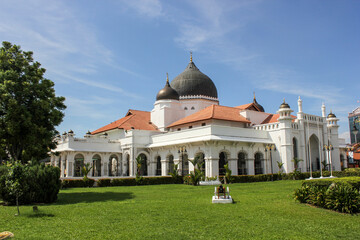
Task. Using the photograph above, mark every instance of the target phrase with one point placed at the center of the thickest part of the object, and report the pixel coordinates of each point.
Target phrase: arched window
(158, 166)
(242, 170)
(222, 162)
(143, 168)
(96, 165)
(78, 165)
(258, 163)
(295, 148)
(171, 164)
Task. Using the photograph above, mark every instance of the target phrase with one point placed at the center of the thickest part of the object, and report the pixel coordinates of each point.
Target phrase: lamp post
(270, 148)
(355, 131)
(329, 148)
(181, 151)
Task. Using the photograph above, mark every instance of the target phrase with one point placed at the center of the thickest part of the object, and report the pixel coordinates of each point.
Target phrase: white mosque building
(187, 121)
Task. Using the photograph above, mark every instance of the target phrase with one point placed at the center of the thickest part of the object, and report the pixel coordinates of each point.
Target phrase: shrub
(104, 182)
(343, 198)
(338, 194)
(73, 183)
(123, 182)
(39, 184)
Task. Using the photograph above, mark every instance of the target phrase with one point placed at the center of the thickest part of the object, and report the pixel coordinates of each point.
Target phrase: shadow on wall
(90, 197)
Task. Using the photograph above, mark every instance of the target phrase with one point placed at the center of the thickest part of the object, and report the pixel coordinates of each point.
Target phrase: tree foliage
(29, 109)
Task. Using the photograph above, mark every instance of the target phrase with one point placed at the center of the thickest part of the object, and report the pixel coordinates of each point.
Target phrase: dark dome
(258, 105)
(331, 115)
(167, 93)
(193, 82)
(284, 105)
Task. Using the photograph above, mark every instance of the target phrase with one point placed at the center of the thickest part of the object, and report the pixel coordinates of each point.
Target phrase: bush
(104, 182)
(339, 194)
(39, 184)
(73, 183)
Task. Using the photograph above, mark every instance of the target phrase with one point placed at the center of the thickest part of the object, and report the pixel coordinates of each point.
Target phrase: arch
(96, 159)
(78, 165)
(184, 164)
(223, 159)
(201, 161)
(242, 156)
(143, 171)
(127, 165)
(114, 166)
(158, 166)
(295, 147)
(259, 163)
(342, 161)
(313, 153)
(171, 163)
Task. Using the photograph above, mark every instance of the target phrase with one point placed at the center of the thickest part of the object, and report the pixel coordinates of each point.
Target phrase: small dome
(331, 115)
(167, 92)
(192, 82)
(284, 105)
(71, 131)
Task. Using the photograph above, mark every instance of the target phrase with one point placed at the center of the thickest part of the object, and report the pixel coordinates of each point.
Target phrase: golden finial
(190, 56)
(167, 78)
(284, 100)
(254, 95)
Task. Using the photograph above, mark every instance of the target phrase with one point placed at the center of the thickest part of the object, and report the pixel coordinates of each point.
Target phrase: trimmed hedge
(39, 183)
(73, 183)
(338, 194)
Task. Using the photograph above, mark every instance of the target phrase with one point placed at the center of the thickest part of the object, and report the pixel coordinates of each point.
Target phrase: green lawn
(261, 211)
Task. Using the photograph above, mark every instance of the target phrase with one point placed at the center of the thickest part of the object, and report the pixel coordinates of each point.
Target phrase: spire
(167, 79)
(254, 96)
(190, 56)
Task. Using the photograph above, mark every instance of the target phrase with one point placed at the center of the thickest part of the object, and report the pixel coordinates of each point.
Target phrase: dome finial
(254, 95)
(167, 78)
(190, 56)
(284, 100)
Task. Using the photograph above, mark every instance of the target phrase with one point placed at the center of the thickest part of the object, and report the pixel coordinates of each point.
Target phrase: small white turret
(300, 105)
(323, 110)
(284, 111)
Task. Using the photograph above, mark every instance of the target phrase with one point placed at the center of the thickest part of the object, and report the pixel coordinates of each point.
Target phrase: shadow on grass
(90, 197)
(40, 215)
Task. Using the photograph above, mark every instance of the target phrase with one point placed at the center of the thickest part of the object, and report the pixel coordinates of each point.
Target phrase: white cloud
(149, 8)
(346, 136)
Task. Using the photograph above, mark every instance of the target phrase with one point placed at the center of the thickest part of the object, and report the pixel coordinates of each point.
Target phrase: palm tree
(296, 162)
(86, 169)
(280, 165)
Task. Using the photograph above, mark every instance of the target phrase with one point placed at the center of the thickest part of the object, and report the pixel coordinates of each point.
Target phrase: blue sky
(107, 57)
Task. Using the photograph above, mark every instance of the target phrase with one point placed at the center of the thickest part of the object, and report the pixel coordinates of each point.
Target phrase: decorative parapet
(199, 97)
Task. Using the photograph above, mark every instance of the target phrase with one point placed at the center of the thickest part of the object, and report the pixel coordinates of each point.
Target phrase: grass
(262, 211)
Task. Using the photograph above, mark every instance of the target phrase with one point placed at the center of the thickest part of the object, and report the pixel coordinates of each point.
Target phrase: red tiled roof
(213, 112)
(134, 119)
(272, 118)
(249, 106)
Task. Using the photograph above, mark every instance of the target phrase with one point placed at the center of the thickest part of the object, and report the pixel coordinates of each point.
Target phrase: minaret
(285, 129)
(300, 112)
(333, 140)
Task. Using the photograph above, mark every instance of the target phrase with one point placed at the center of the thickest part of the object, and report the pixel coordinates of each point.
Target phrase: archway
(78, 165)
(201, 161)
(185, 164)
(158, 166)
(314, 153)
(114, 165)
(242, 170)
(171, 163)
(258, 163)
(96, 165)
(143, 168)
(222, 162)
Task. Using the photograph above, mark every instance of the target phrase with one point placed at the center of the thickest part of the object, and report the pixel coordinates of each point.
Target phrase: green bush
(74, 183)
(338, 194)
(105, 182)
(123, 182)
(39, 184)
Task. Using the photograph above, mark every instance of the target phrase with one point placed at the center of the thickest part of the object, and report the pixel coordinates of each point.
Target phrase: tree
(280, 165)
(29, 109)
(296, 162)
(197, 174)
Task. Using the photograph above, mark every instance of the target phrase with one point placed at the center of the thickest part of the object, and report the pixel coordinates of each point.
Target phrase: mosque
(187, 122)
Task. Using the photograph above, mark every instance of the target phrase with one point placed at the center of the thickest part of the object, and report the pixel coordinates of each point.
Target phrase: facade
(187, 121)
(354, 124)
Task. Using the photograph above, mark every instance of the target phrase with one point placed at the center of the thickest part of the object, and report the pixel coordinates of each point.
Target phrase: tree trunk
(17, 203)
